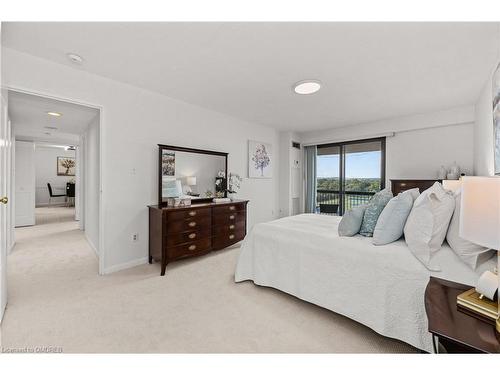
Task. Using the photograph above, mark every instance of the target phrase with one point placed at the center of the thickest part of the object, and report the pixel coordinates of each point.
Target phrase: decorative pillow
(427, 224)
(351, 221)
(470, 253)
(372, 212)
(392, 220)
(415, 193)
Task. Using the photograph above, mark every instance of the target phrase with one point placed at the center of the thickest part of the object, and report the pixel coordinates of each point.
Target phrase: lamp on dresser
(480, 213)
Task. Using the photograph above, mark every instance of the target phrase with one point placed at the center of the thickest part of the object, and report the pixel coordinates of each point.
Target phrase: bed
(381, 287)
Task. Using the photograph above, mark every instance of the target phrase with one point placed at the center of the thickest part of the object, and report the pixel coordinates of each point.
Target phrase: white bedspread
(381, 287)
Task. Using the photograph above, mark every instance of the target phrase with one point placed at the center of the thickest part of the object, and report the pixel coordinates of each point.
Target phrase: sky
(360, 164)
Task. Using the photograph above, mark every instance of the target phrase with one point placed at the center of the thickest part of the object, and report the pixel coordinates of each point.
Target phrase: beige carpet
(57, 299)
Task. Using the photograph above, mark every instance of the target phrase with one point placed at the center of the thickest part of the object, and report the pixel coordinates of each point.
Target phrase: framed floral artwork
(496, 117)
(260, 160)
(65, 166)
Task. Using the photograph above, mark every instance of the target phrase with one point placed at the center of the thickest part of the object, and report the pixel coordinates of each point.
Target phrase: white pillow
(427, 224)
(391, 221)
(470, 253)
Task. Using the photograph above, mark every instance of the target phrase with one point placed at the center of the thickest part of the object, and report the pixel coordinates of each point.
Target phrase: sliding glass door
(348, 174)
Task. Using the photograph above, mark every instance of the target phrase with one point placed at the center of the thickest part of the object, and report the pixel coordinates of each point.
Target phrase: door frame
(101, 249)
(341, 146)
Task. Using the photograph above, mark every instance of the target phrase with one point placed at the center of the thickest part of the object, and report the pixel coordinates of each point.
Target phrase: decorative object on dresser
(182, 232)
(399, 185)
(456, 331)
(480, 214)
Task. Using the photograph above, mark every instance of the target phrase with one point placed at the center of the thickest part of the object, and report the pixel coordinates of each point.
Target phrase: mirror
(186, 172)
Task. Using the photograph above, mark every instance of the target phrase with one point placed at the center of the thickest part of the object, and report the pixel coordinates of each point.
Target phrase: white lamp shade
(452, 185)
(480, 211)
(191, 181)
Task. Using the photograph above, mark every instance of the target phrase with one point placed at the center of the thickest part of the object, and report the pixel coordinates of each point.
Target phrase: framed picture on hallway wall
(260, 160)
(65, 166)
(496, 117)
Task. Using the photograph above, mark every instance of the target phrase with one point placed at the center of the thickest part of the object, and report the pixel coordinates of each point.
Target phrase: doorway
(56, 177)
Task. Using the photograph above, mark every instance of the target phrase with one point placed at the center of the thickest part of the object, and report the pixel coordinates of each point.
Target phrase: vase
(442, 173)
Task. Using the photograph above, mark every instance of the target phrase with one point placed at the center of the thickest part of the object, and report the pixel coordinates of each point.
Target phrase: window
(348, 174)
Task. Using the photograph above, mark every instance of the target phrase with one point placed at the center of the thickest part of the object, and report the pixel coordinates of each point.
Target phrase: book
(470, 300)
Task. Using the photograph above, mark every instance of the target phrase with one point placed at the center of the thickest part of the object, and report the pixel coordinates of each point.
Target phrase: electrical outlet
(135, 237)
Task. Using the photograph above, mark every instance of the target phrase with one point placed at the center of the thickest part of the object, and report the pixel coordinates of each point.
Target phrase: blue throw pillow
(373, 211)
(351, 221)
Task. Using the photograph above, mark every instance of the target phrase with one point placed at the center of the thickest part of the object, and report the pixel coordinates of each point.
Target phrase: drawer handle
(192, 235)
(231, 217)
(192, 213)
(231, 226)
(192, 224)
(232, 208)
(231, 236)
(192, 247)
(402, 184)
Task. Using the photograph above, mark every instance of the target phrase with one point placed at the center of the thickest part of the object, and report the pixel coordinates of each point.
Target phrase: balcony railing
(328, 201)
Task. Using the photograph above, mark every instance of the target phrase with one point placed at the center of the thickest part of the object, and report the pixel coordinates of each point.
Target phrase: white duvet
(381, 287)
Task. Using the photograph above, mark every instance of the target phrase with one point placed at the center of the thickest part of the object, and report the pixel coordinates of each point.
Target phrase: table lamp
(191, 181)
(480, 213)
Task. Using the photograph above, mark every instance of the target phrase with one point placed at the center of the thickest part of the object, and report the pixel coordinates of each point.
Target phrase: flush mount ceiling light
(74, 58)
(55, 114)
(307, 87)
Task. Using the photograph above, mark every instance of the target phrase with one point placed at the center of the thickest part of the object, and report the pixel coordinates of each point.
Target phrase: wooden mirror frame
(162, 147)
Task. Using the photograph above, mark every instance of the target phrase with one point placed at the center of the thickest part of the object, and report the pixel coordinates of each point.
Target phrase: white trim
(91, 244)
(126, 265)
(348, 139)
(9, 250)
(102, 252)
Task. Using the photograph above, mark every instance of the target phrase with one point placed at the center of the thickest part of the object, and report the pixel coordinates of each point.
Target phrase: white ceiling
(369, 71)
(28, 114)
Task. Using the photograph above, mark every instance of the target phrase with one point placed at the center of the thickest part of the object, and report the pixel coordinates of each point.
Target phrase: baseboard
(124, 266)
(91, 245)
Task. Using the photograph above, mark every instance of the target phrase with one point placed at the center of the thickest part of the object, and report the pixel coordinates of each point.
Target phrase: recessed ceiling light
(307, 87)
(55, 114)
(74, 58)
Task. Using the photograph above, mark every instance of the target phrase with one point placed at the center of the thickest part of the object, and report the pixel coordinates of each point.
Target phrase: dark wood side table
(456, 331)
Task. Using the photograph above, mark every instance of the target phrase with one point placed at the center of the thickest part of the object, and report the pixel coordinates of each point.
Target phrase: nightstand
(456, 331)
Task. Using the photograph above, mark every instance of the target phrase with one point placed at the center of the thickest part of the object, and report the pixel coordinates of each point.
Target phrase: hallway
(45, 268)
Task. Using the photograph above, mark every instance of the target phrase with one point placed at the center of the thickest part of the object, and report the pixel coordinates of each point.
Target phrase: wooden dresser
(181, 232)
(397, 186)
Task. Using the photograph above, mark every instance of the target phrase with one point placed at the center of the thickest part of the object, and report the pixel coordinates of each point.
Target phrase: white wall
(91, 180)
(46, 172)
(134, 121)
(484, 155)
(24, 174)
(419, 153)
(420, 145)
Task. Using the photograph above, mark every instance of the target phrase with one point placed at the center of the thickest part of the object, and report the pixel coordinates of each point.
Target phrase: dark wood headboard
(397, 186)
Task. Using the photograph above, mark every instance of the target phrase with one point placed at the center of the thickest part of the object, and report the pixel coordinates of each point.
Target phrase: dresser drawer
(198, 223)
(229, 218)
(229, 208)
(175, 239)
(229, 228)
(224, 240)
(188, 214)
(190, 248)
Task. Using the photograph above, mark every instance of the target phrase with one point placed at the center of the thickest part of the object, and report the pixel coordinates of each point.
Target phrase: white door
(24, 173)
(4, 212)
